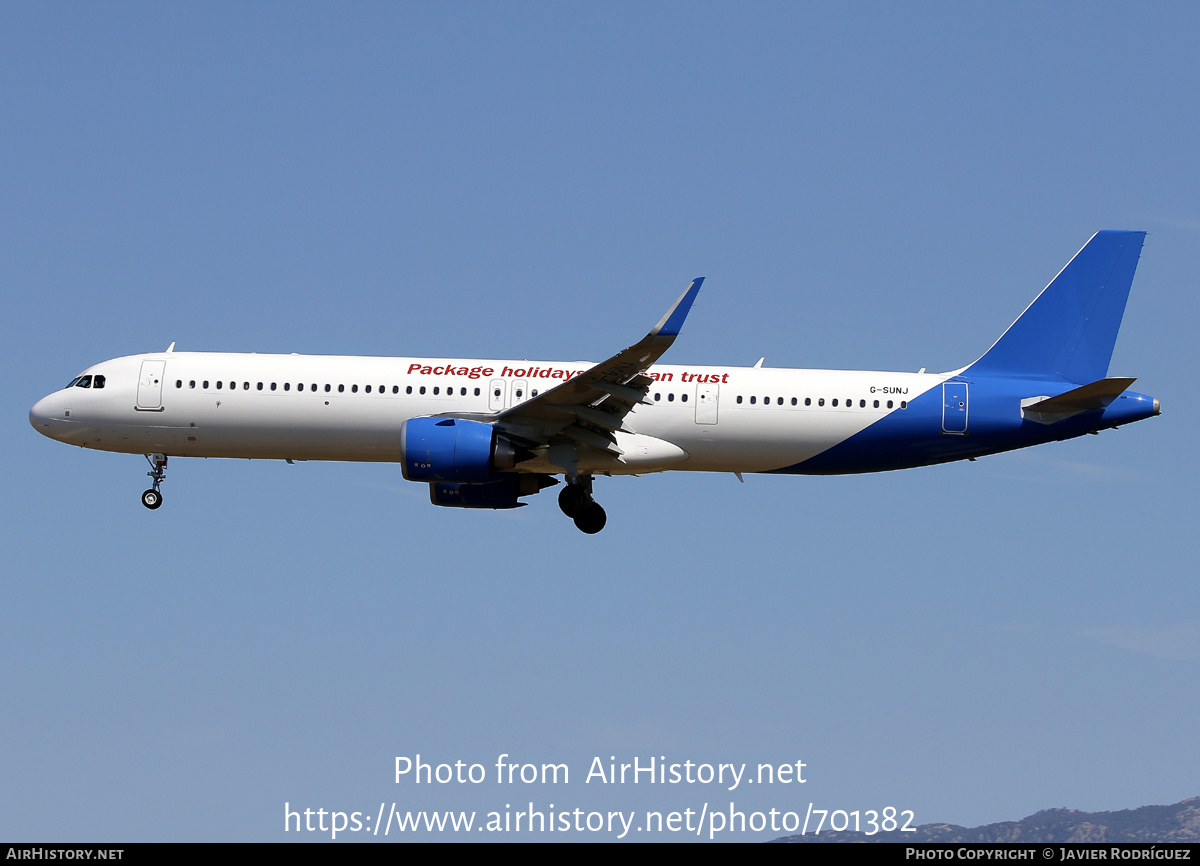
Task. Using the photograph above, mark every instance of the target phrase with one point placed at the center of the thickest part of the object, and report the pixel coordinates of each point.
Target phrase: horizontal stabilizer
(1097, 395)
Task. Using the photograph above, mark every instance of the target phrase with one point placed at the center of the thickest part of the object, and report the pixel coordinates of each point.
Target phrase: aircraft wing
(587, 409)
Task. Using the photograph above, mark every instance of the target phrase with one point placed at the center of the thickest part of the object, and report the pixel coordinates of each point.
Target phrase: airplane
(487, 433)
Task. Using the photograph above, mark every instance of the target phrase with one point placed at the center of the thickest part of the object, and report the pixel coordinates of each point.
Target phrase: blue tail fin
(1070, 329)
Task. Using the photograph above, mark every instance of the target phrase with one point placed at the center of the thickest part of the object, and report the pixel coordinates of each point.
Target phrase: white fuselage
(315, 407)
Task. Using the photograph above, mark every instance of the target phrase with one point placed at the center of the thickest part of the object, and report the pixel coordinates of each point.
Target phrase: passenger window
(436, 391)
(245, 386)
(178, 383)
(739, 399)
(353, 389)
(328, 388)
(833, 402)
(287, 386)
(272, 386)
(658, 397)
(889, 404)
(876, 404)
(368, 389)
(476, 392)
(862, 404)
(753, 400)
(903, 404)
(206, 385)
(793, 401)
(821, 401)
(259, 386)
(395, 389)
(671, 398)
(341, 389)
(192, 384)
(408, 390)
(779, 401)
(218, 384)
(808, 401)
(423, 390)
(683, 398)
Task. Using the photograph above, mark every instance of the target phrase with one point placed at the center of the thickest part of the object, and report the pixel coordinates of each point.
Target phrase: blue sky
(879, 186)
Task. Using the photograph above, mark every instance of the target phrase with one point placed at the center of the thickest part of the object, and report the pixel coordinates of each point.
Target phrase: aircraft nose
(39, 415)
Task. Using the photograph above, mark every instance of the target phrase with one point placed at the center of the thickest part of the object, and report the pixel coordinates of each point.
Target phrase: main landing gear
(152, 498)
(576, 502)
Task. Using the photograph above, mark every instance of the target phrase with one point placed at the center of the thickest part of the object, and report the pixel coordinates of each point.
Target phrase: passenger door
(149, 392)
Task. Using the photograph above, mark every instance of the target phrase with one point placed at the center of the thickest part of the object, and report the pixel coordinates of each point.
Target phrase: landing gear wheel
(571, 498)
(152, 498)
(590, 518)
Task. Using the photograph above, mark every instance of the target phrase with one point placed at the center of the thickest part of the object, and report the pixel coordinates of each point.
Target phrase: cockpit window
(86, 382)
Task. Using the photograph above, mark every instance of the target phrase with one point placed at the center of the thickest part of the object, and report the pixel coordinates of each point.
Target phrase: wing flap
(599, 441)
(598, 417)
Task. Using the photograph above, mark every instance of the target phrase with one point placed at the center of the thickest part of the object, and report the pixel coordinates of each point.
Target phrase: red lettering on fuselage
(449, 370)
(707, 378)
(536, 372)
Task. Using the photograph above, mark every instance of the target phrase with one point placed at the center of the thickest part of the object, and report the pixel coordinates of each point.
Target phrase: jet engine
(454, 450)
(494, 494)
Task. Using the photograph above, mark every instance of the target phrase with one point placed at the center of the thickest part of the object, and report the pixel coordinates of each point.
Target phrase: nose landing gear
(152, 498)
(576, 502)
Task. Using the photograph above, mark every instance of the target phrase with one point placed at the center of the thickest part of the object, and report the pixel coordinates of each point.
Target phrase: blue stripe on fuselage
(914, 436)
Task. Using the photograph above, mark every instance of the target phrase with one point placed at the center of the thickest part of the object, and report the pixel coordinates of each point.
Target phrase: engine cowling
(495, 494)
(453, 450)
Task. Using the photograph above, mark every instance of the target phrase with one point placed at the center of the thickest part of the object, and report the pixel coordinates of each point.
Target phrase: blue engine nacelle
(453, 450)
(495, 494)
